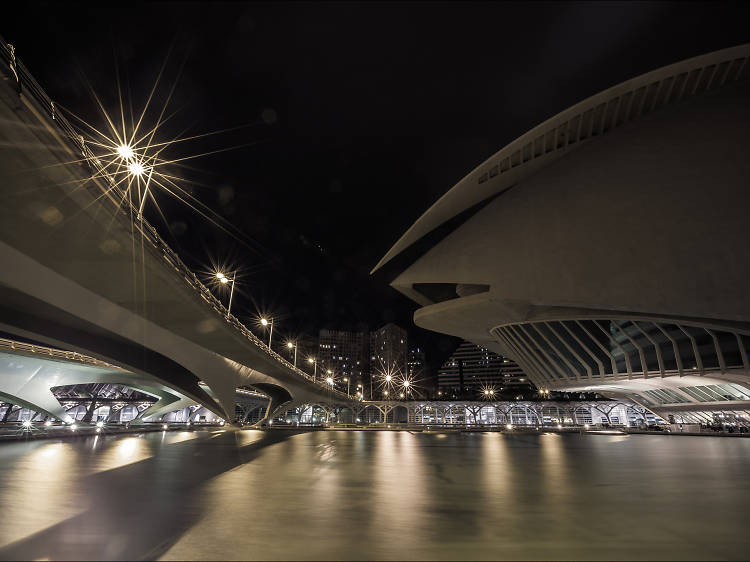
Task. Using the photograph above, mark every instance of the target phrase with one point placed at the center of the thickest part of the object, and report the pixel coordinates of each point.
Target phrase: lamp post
(137, 169)
(291, 345)
(315, 366)
(347, 381)
(265, 323)
(223, 279)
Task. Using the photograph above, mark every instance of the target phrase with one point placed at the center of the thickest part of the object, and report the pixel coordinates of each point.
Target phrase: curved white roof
(576, 126)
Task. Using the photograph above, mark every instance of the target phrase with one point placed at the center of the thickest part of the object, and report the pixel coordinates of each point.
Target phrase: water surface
(228, 494)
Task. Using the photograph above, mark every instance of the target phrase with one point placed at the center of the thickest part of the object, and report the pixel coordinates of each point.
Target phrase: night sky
(358, 117)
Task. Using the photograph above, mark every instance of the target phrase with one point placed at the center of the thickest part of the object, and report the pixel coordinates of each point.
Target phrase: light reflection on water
(39, 488)
(376, 495)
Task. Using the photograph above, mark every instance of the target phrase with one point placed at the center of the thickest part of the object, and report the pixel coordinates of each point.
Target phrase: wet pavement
(229, 494)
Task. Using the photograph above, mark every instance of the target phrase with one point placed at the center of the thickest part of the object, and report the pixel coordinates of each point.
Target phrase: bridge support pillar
(36, 396)
(163, 406)
(275, 404)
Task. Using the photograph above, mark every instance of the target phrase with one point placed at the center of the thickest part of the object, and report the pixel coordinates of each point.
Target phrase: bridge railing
(22, 347)
(27, 86)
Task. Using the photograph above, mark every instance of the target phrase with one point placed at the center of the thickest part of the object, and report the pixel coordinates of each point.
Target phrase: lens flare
(136, 168)
(125, 151)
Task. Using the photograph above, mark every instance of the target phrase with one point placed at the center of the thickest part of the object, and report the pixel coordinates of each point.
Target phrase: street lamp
(223, 279)
(265, 323)
(329, 378)
(315, 366)
(291, 345)
(347, 381)
(125, 151)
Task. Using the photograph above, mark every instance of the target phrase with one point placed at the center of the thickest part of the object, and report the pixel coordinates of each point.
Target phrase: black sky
(362, 115)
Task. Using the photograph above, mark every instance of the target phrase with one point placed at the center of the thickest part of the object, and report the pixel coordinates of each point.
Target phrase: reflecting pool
(227, 494)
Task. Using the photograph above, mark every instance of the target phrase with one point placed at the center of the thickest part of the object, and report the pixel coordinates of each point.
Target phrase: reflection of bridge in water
(84, 271)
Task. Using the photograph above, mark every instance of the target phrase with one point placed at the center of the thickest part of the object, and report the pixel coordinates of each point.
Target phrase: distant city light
(47, 423)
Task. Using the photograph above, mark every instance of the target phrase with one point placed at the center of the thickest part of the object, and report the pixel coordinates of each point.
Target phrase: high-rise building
(472, 368)
(360, 356)
(346, 354)
(415, 363)
(388, 348)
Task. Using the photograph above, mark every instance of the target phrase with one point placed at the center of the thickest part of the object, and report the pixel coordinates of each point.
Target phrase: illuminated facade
(606, 249)
(388, 346)
(344, 353)
(362, 356)
(472, 369)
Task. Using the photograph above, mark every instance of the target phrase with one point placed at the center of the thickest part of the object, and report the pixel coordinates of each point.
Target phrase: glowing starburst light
(488, 392)
(136, 168)
(129, 154)
(125, 151)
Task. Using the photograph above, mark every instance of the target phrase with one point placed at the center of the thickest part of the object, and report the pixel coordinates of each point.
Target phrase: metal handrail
(52, 352)
(27, 85)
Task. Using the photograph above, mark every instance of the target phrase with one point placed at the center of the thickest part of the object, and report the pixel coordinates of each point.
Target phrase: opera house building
(608, 249)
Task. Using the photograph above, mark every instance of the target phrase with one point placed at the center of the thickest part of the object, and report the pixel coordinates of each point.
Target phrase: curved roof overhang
(576, 126)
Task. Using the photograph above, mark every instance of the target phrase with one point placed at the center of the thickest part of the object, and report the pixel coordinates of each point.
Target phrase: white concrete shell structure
(607, 249)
